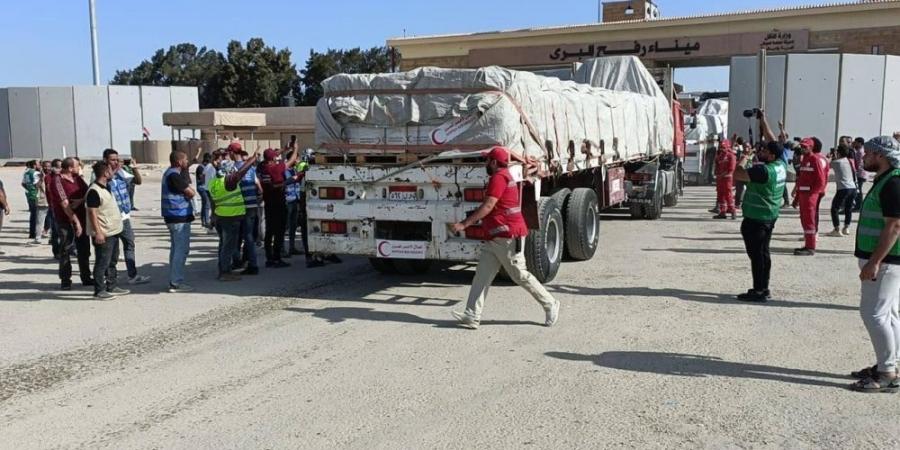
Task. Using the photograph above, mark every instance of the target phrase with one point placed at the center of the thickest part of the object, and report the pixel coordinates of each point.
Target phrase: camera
(755, 112)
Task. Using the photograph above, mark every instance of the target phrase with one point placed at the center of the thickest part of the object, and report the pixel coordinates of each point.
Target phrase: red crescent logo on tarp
(434, 137)
(381, 248)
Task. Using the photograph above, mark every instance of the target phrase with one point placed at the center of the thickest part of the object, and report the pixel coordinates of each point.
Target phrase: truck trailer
(400, 158)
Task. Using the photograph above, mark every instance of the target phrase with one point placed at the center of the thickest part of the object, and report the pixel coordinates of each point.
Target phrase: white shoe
(836, 233)
(465, 320)
(552, 314)
(139, 279)
(35, 241)
(846, 231)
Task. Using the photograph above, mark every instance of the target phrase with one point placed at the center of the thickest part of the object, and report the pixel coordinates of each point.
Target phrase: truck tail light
(334, 227)
(331, 193)
(473, 195)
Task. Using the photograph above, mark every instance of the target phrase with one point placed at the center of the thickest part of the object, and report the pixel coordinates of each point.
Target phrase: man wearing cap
(726, 161)
(502, 221)
(271, 175)
(228, 213)
(250, 190)
(809, 191)
(878, 250)
(762, 207)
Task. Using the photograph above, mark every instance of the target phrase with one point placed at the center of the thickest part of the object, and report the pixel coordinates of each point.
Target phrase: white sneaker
(180, 289)
(139, 279)
(552, 314)
(35, 241)
(836, 233)
(846, 231)
(465, 320)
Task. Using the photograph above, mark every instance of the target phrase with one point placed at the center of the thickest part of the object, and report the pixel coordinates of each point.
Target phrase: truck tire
(383, 266)
(636, 210)
(411, 267)
(671, 200)
(561, 197)
(582, 221)
(544, 247)
(653, 210)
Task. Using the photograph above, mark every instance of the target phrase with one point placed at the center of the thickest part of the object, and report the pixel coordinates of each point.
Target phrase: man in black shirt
(878, 250)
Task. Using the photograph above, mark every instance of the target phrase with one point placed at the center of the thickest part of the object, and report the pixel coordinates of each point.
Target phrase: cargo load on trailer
(400, 159)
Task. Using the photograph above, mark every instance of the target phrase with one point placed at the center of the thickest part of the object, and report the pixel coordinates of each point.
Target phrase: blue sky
(47, 42)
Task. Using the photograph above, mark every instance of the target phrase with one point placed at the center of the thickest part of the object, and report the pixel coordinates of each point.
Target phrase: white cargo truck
(400, 159)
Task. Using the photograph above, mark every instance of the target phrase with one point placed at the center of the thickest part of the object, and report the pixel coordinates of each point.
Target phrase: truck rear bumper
(451, 250)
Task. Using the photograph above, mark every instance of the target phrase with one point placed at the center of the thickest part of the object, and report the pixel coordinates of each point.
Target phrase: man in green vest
(228, 213)
(878, 250)
(761, 208)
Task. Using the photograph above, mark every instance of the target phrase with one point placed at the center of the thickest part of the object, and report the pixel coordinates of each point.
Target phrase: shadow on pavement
(691, 296)
(699, 366)
(343, 314)
(741, 251)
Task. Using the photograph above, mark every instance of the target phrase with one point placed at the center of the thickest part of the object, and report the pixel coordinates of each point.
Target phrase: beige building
(637, 28)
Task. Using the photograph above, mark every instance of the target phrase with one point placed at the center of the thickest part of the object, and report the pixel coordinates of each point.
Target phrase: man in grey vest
(104, 224)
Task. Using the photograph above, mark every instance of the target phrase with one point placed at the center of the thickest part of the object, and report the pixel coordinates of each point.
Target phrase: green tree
(320, 66)
(181, 65)
(257, 75)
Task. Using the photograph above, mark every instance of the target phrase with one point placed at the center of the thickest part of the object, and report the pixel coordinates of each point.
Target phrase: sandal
(878, 384)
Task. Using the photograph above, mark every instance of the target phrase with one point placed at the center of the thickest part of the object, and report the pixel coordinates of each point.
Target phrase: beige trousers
(494, 255)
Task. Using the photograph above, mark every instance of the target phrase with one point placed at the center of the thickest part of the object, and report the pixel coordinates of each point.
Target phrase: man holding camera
(761, 208)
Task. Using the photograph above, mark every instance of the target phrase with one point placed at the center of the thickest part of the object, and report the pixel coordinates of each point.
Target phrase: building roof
(638, 23)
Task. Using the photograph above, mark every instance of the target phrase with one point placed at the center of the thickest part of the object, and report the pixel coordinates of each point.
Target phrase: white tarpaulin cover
(711, 121)
(489, 106)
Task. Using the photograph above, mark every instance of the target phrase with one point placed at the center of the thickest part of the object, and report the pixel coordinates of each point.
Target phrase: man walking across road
(104, 223)
(878, 250)
(118, 185)
(726, 162)
(762, 206)
(178, 212)
(68, 208)
(502, 220)
(811, 183)
(228, 213)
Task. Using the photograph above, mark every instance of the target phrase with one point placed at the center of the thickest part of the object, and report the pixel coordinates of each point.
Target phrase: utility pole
(95, 57)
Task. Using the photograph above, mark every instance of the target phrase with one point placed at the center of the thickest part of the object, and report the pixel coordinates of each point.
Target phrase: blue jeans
(205, 202)
(229, 236)
(248, 240)
(180, 235)
(293, 218)
(127, 238)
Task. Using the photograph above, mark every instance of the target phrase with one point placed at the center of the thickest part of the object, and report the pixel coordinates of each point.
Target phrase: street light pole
(95, 58)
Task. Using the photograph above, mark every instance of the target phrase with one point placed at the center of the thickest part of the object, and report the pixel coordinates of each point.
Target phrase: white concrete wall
(890, 120)
(5, 144)
(57, 121)
(811, 104)
(25, 123)
(92, 132)
(862, 96)
(125, 116)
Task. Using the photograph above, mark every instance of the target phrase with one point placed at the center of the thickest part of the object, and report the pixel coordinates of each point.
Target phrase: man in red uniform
(812, 180)
(502, 221)
(726, 161)
(271, 176)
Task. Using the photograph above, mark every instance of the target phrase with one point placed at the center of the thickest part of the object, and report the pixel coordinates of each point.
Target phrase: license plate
(403, 193)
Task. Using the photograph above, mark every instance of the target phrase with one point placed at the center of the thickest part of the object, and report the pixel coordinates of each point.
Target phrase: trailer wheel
(672, 199)
(383, 266)
(544, 247)
(582, 224)
(636, 210)
(411, 267)
(653, 210)
(561, 197)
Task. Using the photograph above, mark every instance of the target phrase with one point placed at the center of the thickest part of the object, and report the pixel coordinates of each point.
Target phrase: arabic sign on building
(656, 49)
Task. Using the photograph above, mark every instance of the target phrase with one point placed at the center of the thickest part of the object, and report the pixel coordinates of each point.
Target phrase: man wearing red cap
(271, 176)
(501, 219)
(812, 180)
(726, 161)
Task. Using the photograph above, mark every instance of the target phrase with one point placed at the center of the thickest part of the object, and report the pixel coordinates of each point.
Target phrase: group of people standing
(80, 218)
(241, 198)
(812, 168)
(877, 246)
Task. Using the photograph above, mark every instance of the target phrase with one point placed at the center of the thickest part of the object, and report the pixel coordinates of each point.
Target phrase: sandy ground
(651, 350)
